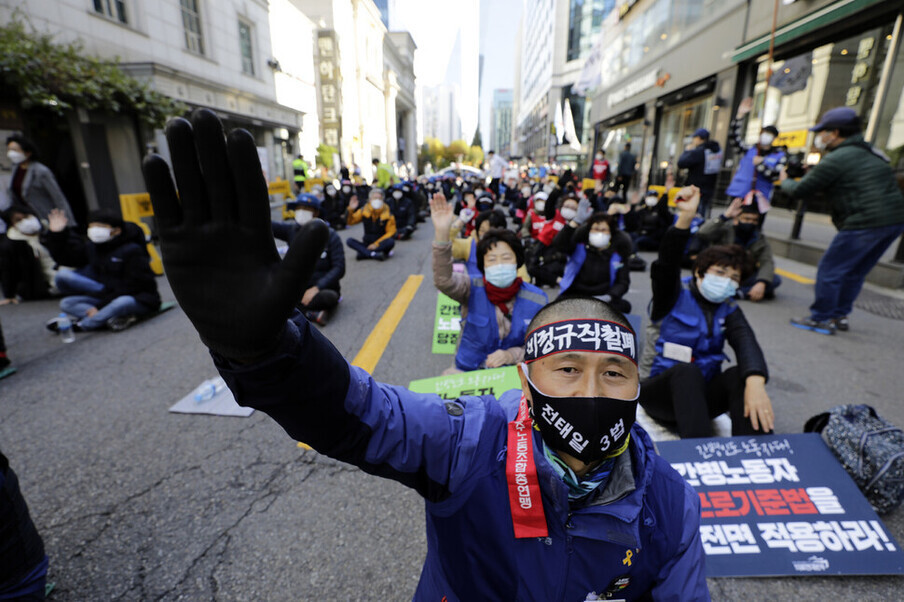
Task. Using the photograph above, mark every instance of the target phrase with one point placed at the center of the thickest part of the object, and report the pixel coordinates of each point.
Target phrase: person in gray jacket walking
(33, 184)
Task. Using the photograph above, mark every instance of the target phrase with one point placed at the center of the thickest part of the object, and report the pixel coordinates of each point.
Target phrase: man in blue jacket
(578, 507)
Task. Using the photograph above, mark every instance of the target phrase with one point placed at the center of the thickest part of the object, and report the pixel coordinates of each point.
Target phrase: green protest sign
(447, 325)
(479, 382)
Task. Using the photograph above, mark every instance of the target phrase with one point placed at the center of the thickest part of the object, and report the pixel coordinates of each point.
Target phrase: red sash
(521, 474)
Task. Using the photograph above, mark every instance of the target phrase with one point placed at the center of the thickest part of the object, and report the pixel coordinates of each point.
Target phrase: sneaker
(53, 326)
(378, 255)
(841, 323)
(318, 317)
(120, 323)
(807, 323)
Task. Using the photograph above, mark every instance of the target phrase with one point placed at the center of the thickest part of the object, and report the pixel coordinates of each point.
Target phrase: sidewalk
(816, 233)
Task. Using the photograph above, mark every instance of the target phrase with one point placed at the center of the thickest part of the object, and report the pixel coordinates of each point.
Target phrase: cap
(305, 199)
(702, 133)
(839, 117)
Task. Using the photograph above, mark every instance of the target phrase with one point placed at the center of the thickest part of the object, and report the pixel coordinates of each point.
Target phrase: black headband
(598, 336)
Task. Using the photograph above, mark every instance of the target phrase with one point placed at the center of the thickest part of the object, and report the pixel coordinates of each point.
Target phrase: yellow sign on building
(793, 139)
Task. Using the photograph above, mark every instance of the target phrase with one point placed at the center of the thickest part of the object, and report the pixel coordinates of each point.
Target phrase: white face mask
(29, 225)
(599, 157)
(397, 194)
(303, 216)
(820, 143)
(330, 190)
(766, 139)
(99, 234)
(525, 192)
(377, 204)
(15, 156)
(651, 201)
(600, 240)
(569, 213)
(539, 206)
(346, 189)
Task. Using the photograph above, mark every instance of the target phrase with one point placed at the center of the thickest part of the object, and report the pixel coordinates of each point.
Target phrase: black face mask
(745, 231)
(587, 428)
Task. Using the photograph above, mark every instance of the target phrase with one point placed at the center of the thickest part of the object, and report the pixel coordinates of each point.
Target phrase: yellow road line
(378, 339)
(794, 277)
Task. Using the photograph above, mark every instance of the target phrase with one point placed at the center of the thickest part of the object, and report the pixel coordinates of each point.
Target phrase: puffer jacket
(859, 183)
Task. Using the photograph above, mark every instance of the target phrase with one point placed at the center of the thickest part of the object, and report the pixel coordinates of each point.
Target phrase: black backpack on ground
(870, 448)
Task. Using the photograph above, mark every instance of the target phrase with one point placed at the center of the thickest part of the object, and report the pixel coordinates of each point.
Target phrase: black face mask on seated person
(745, 231)
(588, 428)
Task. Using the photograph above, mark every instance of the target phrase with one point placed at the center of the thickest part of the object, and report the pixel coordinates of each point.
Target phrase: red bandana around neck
(500, 296)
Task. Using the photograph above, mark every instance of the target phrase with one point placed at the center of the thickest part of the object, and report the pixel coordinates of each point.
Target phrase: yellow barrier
(673, 193)
(283, 187)
(134, 207)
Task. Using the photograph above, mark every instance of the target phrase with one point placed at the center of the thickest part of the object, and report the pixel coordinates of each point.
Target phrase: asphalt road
(137, 503)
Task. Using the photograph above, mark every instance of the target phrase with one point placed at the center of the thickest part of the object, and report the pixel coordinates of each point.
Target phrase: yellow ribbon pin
(627, 559)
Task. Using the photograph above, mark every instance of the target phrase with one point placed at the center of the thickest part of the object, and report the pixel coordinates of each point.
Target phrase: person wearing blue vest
(578, 507)
(762, 160)
(496, 304)
(690, 321)
(595, 268)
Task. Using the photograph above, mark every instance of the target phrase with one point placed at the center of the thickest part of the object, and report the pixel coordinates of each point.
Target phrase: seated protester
(415, 191)
(27, 270)
(740, 225)
(465, 249)
(23, 563)
(112, 285)
(647, 223)
(466, 210)
(595, 268)
(564, 213)
(547, 264)
(496, 306)
(333, 209)
(534, 219)
(516, 201)
(379, 227)
(404, 212)
(691, 319)
(617, 492)
(321, 295)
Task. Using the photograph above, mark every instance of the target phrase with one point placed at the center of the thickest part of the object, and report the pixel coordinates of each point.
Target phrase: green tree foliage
(475, 156)
(325, 154)
(477, 141)
(58, 77)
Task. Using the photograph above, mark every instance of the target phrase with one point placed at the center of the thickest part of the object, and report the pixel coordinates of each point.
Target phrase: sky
(498, 27)
(434, 25)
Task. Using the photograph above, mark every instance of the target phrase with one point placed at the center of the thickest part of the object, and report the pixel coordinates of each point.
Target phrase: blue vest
(473, 271)
(686, 325)
(576, 262)
(740, 183)
(480, 331)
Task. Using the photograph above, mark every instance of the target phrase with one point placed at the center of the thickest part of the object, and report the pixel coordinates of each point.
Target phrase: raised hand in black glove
(215, 237)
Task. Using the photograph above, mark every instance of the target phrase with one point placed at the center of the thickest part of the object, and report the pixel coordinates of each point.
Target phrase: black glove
(216, 241)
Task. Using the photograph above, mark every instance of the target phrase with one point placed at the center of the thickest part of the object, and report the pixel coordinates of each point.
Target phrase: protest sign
(447, 325)
(781, 505)
(479, 382)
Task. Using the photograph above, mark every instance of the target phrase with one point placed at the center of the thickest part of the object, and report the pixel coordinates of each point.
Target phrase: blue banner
(781, 505)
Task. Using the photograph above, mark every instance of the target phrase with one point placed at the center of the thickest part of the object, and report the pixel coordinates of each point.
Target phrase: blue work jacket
(480, 330)
(686, 325)
(576, 262)
(639, 538)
